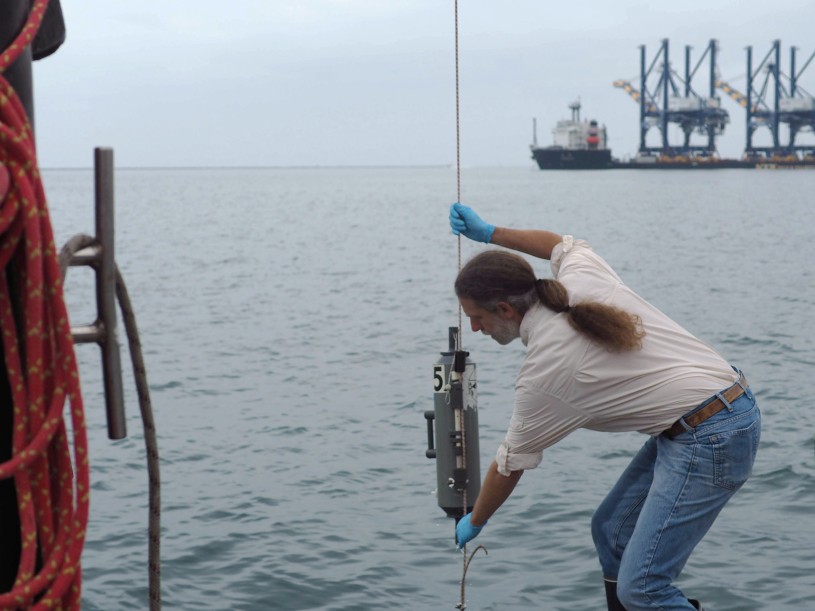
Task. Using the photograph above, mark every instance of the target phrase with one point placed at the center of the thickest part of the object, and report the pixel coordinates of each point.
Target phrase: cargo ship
(582, 145)
(577, 145)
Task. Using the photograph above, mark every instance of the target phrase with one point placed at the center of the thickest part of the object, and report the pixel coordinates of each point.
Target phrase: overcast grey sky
(371, 82)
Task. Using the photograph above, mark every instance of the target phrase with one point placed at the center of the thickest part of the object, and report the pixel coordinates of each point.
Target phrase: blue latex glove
(466, 532)
(464, 220)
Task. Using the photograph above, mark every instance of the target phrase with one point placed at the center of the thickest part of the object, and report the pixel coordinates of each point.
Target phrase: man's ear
(505, 310)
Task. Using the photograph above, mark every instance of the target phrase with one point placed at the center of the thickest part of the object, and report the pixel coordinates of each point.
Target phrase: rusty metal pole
(100, 256)
(106, 294)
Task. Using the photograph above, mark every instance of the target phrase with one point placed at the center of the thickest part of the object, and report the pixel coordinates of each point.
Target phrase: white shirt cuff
(509, 461)
(560, 249)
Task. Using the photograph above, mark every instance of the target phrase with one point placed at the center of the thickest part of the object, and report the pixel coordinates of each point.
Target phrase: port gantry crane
(778, 99)
(673, 99)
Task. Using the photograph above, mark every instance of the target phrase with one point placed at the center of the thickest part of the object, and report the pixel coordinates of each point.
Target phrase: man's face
(502, 325)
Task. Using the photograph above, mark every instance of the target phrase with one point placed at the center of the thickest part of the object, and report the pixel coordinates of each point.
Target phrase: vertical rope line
(462, 604)
(458, 163)
(458, 199)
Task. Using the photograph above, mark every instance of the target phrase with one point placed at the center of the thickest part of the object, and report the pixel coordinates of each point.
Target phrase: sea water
(290, 319)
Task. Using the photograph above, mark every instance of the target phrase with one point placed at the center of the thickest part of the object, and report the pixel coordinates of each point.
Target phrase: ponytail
(609, 326)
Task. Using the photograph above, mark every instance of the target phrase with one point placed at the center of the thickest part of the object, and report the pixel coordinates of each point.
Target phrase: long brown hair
(496, 275)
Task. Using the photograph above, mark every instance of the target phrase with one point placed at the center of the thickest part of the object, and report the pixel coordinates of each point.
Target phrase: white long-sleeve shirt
(569, 382)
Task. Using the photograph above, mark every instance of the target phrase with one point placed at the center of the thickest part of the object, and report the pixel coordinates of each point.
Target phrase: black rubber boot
(613, 602)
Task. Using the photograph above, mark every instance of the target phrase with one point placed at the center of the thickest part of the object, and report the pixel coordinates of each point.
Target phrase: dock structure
(668, 97)
(775, 99)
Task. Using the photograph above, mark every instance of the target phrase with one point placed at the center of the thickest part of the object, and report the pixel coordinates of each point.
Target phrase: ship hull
(557, 158)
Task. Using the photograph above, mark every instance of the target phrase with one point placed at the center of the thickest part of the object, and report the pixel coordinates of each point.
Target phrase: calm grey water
(290, 319)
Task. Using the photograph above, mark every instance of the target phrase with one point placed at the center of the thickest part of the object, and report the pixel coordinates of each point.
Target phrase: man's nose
(475, 326)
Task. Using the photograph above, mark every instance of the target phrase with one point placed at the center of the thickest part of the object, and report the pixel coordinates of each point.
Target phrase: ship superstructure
(577, 145)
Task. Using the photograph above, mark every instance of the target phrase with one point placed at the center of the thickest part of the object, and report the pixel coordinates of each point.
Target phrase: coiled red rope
(52, 493)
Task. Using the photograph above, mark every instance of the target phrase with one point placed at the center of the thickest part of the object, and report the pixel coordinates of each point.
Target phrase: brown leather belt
(714, 407)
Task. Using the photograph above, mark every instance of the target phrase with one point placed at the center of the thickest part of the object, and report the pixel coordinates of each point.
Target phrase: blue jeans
(667, 499)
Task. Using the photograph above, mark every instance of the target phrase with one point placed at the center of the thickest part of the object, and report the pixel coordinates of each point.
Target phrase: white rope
(461, 420)
(458, 164)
